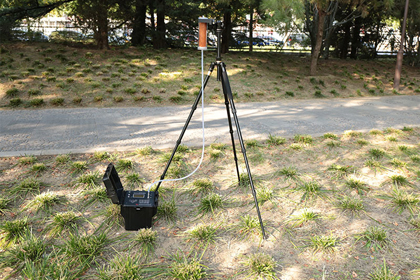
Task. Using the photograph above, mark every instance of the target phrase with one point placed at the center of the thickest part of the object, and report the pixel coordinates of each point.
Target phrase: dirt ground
(49, 75)
(288, 245)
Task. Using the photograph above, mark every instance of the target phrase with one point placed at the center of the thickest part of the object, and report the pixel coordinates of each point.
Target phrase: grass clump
(100, 156)
(348, 203)
(260, 266)
(167, 156)
(275, 140)
(183, 268)
(375, 132)
(62, 159)
(13, 92)
(167, 210)
(85, 248)
(377, 153)
(399, 180)
(27, 160)
(218, 146)
(299, 219)
(398, 163)
(146, 151)
(362, 142)
(44, 201)
(146, 238)
(202, 186)
(64, 221)
(383, 273)
(341, 170)
(78, 166)
(122, 267)
(249, 226)
(375, 238)
(90, 178)
(415, 158)
(134, 178)
(210, 202)
(290, 173)
(351, 133)
(203, 233)
(303, 139)
(324, 243)
(330, 136)
(4, 204)
(310, 190)
(15, 102)
(36, 102)
(38, 167)
(357, 185)
(264, 193)
(28, 185)
(243, 180)
(124, 165)
(12, 231)
(30, 250)
(402, 200)
(57, 101)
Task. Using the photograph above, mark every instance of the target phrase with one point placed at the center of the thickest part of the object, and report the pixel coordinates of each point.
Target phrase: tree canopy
(350, 27)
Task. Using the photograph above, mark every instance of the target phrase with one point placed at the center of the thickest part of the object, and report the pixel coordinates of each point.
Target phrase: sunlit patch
(292, 273)
(170, 75)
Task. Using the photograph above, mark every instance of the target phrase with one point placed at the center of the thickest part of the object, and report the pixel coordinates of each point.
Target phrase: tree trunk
(346, 40)
(251, 25)
(318, 43)
(102, 34)
(227, 20)
(356, 39)
(159, 40)
(139, 24)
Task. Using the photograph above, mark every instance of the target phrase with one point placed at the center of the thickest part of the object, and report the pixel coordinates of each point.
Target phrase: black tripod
(227, 92)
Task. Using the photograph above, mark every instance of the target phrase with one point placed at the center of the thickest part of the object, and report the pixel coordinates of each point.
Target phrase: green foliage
(13, 231)
(85, 248)
(383, 273)
(63, 221)
(260, 266)
(324, 243)
(276, 140)
(304, 139)
(202, 186)
(375, 238)
(146, 239)
(210, 202)
(28, 185)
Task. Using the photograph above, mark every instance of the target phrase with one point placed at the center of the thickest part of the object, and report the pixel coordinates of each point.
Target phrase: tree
(12, 12)
(94, 15)
(159, 34)
(138, 35)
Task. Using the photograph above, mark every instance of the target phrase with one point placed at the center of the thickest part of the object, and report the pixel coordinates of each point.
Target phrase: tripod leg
(194, 107)
(228, 91)
(231, 132)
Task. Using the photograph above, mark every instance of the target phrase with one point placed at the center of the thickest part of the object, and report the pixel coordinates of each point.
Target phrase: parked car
(297, 39)
(269, 40)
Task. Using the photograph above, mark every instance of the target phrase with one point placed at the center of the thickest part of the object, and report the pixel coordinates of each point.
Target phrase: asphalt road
(56, 131)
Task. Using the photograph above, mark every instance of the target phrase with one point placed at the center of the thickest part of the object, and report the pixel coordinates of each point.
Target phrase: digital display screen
(139, 195)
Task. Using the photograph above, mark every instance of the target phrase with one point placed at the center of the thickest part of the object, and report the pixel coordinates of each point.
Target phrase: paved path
(55, 131)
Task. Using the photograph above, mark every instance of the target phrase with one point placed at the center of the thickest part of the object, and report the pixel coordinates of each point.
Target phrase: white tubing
(202, 122)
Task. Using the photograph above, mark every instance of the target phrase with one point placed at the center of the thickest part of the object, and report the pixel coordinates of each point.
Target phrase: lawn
(49, 75)
(334, 207)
